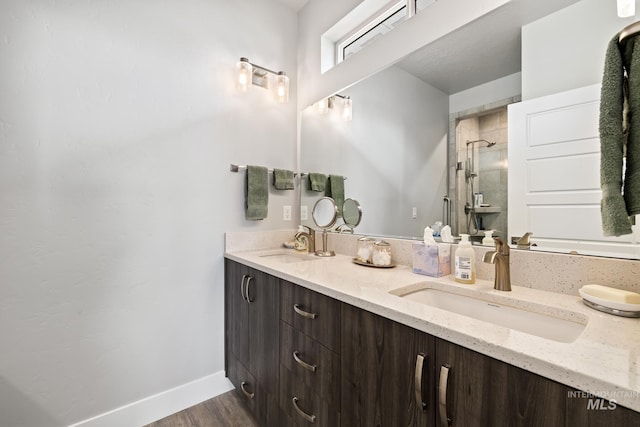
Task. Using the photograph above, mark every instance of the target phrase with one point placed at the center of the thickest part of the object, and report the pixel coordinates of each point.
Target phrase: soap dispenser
(488, 239)
(465, 261)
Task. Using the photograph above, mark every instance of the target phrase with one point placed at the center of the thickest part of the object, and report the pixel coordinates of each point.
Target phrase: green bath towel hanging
(283, 179)
(616, 138)
(317, 181)
(257, 195)
(336, 191)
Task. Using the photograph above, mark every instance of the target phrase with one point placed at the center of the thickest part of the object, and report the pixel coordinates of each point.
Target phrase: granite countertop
(604, 360)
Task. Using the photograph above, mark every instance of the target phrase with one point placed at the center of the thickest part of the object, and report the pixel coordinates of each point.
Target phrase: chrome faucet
(309, 235)
(500, 257)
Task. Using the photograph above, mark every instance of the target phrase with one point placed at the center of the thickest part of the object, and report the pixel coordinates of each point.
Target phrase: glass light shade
(244, 75)
(347, 110)
(322, 106)
(626, 8)
(282, 88)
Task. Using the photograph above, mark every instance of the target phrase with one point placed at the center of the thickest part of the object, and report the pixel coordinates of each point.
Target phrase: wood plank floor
(226, 410)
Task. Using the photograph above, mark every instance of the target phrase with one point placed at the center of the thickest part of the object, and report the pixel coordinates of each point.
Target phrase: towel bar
(303, 174)
(241, 168)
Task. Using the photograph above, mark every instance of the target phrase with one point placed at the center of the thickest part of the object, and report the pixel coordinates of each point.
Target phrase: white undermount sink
(289, 257)
(535, 323)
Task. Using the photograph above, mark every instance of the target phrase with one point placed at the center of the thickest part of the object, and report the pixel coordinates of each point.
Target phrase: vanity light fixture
(347, 109)
(347, 106)
(248, 74)
(326, 104)
(244, 75)
(626, 8)
(322, 106)
(282, 88)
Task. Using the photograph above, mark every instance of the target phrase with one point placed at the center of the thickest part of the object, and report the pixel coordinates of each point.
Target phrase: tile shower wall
(490, 167)
(466, 130)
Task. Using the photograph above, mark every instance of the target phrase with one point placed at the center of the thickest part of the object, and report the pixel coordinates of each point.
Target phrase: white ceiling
(294, 4)
(481, 51)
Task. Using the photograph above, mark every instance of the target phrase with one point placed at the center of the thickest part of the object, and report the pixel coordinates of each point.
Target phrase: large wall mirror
(435, 123)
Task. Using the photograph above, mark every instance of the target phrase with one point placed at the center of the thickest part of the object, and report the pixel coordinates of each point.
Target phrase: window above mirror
(364, 24)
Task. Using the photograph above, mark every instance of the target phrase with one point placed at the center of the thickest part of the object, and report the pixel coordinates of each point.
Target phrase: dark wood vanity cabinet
(309, 356)
(476, 390)
(598, 412)
(386, 372)
(252, 301)
(301, 358)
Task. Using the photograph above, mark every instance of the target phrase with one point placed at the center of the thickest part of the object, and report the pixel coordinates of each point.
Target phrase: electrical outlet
(286, 213)
(304, 213)
(414, 213)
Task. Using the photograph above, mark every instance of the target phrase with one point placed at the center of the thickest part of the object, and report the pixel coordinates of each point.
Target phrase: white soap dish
(607, 306)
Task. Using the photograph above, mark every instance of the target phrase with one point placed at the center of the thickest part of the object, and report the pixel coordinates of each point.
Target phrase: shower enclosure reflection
(481, 174)
(473, 199)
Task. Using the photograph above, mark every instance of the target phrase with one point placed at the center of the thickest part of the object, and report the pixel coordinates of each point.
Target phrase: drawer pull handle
(420, 401)
(445, 421)
(302, 363)
(301, 312)
(244, 390)
(310, 418)
(249, 300)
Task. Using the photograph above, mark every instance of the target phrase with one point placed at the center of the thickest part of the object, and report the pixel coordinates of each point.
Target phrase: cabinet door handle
(242, 291)
(244, 390)
(249, 300)
(310, 418)
(420, 400)
(442, 396)
(301, 312)
(302, 363)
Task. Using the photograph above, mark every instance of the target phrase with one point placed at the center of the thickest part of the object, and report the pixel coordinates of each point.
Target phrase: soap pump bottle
(465, 261)
(488, 238)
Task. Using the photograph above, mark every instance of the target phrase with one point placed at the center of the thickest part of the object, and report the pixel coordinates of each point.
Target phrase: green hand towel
(615, 219)
(317, 181)
(631, 58)
(336, 191)
(257, 196)
(283, 179)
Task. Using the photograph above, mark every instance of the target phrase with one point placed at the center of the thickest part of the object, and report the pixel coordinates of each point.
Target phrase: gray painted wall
(118, 121)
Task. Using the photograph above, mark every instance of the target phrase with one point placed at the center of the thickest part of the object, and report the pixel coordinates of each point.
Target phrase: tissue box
(432, 260)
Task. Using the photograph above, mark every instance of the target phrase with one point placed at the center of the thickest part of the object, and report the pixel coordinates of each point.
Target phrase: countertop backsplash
(554, 272)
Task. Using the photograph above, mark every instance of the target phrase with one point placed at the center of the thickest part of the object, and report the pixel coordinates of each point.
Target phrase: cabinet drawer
(302, 405)
(316, 315)
(263, 405)
(312, 363)
(245, 384)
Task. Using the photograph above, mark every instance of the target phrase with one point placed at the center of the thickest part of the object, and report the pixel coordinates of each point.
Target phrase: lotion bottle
(465, 261)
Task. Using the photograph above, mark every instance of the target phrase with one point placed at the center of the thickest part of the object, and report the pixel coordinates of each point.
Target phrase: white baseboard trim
(163, 404)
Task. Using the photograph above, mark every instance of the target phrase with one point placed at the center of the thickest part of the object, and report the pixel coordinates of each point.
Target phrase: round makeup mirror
(325, 212)
(351, 213)
(325, 215)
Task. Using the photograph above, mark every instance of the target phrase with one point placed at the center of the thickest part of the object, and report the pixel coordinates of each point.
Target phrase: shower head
(489, 143)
